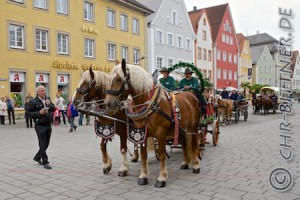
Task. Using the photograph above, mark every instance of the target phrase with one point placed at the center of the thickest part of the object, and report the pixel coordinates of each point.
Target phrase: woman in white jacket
(3, 110)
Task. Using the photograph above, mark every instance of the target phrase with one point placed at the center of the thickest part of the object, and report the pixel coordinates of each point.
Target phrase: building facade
(50, 43)
(295, 66)
(245, 59)
(203, 57)
(170, 34)
(263, 66)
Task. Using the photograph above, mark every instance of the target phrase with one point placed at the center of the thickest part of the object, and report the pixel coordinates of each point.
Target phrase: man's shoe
(47, 166)
(38, 160)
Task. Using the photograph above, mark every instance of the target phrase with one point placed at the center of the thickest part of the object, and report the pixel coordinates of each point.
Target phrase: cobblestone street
(238, 168)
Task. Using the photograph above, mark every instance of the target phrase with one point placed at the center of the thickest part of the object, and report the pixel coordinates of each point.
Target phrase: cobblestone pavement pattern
(238, 168)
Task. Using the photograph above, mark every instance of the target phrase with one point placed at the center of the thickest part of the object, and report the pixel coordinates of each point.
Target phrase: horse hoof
(122, 174)
(196, 171)
(143, 181)
(160, 184)
(184, 166)
(106, 170)
(134, 159)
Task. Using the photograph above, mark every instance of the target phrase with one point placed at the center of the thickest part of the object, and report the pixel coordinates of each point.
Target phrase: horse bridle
(86, 91)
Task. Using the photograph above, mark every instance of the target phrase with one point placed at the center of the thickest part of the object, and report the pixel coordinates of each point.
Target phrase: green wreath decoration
(192, 67)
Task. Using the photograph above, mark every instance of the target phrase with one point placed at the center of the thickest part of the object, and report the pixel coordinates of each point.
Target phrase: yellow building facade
(52, 42)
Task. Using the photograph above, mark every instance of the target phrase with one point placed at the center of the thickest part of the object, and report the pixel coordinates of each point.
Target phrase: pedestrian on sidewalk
(59, 103)
(3, 110)
(71, 114)
(10, 103)
(27, 117)
(40, 109)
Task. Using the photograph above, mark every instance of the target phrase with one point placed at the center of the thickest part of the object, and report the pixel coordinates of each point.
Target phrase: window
(40, 4)
(159, 37)
(62, 43)
(124, 52)
(136, 56)
(230, 57)
(224, 74)
(188, 44)
(18, 1)
(204, 72)
(174, 17)
(250, 72)
(89, 46)
(16, 36)
(135, 26)
(62, 6)
(231, 41)
(199, 53)
(224, 56)
(265, 69)
(209, 55)
(110, 18)
(88, 11)
(41, 40)
(124, 22)
(227, 39)
(235, 76)
(219, 73)
(170, 39)
(111, 51)
(159, 62)
(266, 58)
(218, 54)
(270, 81)
(170, 62)
(260, 81)
(235, 58)
(179, 42)
(229, 75)
(204, 22)
(223, 37)
(209, 74)
(204, 54)
(204, 35)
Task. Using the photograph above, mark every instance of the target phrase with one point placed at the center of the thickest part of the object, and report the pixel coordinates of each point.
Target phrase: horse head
(125, 80)
(91, 86)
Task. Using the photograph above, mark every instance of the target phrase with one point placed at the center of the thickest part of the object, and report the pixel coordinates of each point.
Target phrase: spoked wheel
(236, 116)
(245, 115)
(215, 132)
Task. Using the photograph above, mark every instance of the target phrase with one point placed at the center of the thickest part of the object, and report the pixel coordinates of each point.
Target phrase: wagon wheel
(215, 132)
(236, 116)
(245, 115)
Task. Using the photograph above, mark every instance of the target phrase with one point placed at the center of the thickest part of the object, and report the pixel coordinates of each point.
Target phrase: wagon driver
(167, 81)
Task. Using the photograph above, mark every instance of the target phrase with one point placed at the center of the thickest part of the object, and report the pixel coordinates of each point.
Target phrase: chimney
(257, 32)
(194, 8)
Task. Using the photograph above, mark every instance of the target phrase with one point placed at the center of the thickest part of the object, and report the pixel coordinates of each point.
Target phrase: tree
(257, 87)
(245, 85)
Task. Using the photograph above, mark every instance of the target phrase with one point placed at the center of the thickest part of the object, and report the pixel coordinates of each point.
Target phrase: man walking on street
(40, 109)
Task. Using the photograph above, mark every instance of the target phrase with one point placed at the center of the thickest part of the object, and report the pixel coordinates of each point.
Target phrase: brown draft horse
(92, 86)
(135, 81)
(224, 108)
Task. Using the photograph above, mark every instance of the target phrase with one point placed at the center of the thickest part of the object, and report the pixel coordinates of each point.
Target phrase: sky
(251, 16)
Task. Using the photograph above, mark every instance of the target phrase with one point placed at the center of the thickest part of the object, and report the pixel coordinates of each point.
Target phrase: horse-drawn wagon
(265, 101)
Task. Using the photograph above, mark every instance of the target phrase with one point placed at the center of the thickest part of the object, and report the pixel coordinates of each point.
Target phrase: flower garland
(192, 67)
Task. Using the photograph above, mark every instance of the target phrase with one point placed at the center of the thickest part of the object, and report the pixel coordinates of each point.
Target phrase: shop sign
(90, 30)
(62, 79)
(41, 78)
(3, 79)
(65, 65)
(17, 77)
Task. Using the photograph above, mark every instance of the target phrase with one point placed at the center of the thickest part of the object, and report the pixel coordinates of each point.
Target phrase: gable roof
(153, 6)
(135, 5)
(241, 39)
(264, 39)
(295, 55)
(256, 53)
(195, 16)
(215, 15)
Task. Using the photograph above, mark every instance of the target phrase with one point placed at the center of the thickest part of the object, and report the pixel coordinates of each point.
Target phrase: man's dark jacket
(33, 108)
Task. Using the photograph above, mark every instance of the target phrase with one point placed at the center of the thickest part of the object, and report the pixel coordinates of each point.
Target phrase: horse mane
(101, 79)
(140, 79)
